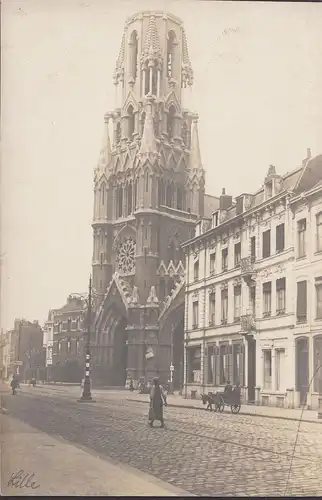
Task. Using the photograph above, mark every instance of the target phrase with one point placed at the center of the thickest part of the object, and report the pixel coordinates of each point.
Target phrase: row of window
(226, 362)
(223, 363)
(65, 347)
(67, 326)
(266, 246)
(280, 284)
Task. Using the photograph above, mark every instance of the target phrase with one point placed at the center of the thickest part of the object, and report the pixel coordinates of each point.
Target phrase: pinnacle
(195, 156)
(152, 42)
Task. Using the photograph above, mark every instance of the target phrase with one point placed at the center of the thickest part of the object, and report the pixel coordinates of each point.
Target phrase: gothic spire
(151, 53)
(148, 148)
(195, 157)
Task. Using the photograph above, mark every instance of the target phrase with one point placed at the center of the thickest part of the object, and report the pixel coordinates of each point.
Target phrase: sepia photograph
(161, 248)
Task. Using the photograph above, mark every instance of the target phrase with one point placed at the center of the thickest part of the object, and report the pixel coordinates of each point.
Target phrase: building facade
(148, 194)
(26, 355)
(67, 363)
(253, 311)
(49, 344)
(4, 354)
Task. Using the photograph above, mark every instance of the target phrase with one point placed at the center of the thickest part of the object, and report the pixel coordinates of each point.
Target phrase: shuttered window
(301, 307)
(280, 238)
(280, 295)
(266, 244)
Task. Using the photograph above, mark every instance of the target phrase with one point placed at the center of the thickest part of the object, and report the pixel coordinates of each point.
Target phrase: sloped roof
(311, 174)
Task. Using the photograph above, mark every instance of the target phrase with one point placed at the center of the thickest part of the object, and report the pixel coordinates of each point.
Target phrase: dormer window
(215, 219)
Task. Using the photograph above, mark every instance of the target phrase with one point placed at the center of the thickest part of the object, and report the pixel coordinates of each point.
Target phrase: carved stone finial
(135, 295)
(152, 298)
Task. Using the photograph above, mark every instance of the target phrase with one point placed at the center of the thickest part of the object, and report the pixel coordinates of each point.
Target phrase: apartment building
(254, 290)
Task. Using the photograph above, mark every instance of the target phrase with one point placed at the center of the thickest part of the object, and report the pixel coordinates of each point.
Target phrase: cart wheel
(235, 408)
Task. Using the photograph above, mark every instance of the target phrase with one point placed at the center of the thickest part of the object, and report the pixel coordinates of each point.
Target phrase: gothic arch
(171, 52)
(170, 121)
(131, 121)
(134, 52)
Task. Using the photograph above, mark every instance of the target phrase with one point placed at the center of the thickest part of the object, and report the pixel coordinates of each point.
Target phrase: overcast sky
(257, 90)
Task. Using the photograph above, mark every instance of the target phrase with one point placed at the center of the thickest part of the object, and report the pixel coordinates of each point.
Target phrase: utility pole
(87, 396)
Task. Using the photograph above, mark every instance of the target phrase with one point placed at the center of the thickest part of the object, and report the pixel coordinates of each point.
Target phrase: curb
(173, 405)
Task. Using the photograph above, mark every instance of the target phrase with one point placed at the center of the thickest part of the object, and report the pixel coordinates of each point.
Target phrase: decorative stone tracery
(125, 256)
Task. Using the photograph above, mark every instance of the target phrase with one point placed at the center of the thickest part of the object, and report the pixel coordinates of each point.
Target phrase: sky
(257, 90)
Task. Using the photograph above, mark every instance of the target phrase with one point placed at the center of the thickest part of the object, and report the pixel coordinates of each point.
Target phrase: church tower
(148, 194)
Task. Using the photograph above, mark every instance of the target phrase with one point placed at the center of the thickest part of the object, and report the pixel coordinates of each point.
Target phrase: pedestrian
(157, 401)
(131, 387)
(14, 384)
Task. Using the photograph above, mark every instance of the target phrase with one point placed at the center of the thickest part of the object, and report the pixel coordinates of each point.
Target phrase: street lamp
(86, 395)
(171, 363)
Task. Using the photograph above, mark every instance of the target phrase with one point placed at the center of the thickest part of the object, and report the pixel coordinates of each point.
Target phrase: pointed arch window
(169, 200)
(118, 132)
(119, 201)
(154, 81)
(103, 194)
(134, 53)
(135, 193)
(170, 122)
(170, 53)
(179, 199)
(131, 118)
(146, 181)
(129, 199)
(161, 192)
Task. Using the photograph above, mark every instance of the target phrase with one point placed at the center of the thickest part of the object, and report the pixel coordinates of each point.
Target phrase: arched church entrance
(120, 353)
(111, 349)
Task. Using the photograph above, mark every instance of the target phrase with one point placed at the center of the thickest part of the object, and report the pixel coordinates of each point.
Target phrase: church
(149, 192)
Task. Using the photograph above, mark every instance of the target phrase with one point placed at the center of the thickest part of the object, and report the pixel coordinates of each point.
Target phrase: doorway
(120, 354)
(178, 355)
(302, 368)
(251, 369)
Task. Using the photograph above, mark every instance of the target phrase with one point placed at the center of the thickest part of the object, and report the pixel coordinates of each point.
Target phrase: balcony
(247, 322)
(248, 269)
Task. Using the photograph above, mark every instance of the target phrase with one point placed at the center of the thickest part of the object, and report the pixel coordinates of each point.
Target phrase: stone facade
(67, 363)
(26, 354)
(254, 292)
(148, 194)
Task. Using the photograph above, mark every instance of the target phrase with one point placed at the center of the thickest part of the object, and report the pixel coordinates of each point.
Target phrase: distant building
(254, 292)
(49, 343)
(26, 356)
(148, 193)
(67, 364)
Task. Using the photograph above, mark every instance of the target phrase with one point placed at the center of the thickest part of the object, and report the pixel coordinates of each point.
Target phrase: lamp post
(171, 364)
(87, 396)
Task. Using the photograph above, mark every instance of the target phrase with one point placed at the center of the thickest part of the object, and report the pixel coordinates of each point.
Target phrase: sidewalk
(177, 401)
(59, 468)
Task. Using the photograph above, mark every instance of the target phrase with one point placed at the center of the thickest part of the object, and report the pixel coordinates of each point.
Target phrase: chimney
(225, 200)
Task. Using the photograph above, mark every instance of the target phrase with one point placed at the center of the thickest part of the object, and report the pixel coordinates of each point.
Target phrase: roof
(211, 204)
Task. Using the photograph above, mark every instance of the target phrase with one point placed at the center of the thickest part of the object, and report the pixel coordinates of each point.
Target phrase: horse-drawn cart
(221, 399)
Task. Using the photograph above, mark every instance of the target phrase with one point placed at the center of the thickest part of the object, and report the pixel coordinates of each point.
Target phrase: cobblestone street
(203, 453)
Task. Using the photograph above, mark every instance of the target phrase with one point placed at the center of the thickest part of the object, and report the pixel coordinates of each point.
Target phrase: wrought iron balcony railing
(247, 322)
(247, 265)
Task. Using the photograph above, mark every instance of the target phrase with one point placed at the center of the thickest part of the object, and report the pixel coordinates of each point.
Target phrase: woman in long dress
(157, 401)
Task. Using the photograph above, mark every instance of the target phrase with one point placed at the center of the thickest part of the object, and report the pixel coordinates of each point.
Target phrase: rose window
(125, 256)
